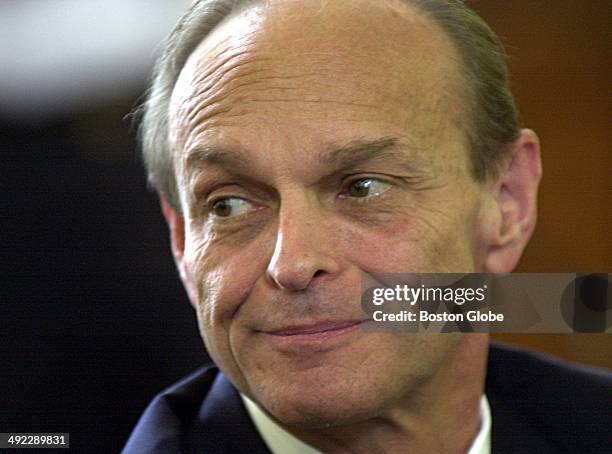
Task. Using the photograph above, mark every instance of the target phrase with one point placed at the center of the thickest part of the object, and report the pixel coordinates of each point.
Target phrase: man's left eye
(366, 187)
(229, 207)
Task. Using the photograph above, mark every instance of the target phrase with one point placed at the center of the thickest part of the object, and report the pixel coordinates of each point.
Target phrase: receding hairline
(210, 50)
(488, 104)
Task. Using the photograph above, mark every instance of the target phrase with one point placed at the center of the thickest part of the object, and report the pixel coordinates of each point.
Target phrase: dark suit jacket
(538, 405)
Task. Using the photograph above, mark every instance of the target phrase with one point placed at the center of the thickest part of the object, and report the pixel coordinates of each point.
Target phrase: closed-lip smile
(316, 334)
(314, 328)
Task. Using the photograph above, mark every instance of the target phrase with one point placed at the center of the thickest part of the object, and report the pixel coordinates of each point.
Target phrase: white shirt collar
(279, 441)
(482, 442)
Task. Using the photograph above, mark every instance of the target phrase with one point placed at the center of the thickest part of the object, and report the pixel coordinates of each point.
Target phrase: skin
(308, 151)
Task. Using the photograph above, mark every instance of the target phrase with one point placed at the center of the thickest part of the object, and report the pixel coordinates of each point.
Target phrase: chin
(321, 415)
(323, 400)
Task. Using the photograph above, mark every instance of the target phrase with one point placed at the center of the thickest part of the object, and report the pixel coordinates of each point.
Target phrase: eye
(230, 206)
(366, 187)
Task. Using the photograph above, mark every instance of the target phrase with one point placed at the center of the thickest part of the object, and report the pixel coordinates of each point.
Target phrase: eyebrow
(215, 156)
(337, 157)
(359, 151)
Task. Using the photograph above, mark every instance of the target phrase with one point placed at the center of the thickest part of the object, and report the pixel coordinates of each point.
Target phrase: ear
(515, 204)
(176, 225)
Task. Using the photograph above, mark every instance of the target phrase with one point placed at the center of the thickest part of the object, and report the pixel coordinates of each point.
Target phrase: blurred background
(93, 319)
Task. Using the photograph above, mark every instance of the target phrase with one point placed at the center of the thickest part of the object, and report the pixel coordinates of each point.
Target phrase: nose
(304, 247)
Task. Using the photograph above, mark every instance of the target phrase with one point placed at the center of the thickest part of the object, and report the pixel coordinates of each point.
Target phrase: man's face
(314, 143)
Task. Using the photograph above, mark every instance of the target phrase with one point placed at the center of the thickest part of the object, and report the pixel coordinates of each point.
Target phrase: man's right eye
(230, 206)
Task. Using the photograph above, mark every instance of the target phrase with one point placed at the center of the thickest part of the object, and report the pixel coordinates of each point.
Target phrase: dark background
(93, 318)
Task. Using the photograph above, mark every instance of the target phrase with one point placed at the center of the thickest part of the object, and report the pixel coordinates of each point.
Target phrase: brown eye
(229, 207)
(367, 187)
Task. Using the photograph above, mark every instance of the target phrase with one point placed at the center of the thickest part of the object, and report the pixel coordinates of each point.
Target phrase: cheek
(223, 277)
(383, 249)
(417, 240)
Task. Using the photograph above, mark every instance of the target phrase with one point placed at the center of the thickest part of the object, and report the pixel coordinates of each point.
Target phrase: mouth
(314, 334)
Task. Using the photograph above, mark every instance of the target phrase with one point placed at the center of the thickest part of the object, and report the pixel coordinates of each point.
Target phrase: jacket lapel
(222, 424)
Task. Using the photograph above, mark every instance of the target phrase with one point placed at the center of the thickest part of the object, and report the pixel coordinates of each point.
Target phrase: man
(296, 145)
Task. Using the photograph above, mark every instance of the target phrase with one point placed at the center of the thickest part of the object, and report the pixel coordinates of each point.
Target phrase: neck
(442, 415)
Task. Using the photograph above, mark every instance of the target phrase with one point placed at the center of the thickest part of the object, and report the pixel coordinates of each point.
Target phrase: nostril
(318, 273)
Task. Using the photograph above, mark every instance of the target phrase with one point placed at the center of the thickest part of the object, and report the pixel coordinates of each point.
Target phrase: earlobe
(516, 201)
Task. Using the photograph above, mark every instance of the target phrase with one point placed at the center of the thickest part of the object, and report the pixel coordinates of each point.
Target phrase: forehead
(326, 65)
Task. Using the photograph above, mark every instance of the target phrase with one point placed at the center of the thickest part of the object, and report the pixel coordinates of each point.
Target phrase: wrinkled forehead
(381, 58)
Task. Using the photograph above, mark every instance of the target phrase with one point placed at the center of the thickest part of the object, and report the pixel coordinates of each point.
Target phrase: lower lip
(327, 336)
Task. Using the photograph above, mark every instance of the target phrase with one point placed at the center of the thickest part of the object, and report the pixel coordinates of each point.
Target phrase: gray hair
(491, 118)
